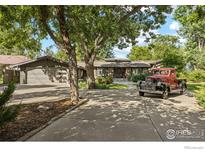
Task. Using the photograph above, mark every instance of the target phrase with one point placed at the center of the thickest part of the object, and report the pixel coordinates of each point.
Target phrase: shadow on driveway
(122, 115)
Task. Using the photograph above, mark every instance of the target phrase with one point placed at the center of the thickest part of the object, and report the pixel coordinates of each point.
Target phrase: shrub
(194, 76)
(7, 113)
(197, 76)
(104, 80)
(138, 77)
(200, 95)
(109, 79)
(102, 86)
(82, 85)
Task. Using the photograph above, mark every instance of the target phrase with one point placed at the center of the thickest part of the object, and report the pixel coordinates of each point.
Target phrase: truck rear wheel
(141, 93)
(165, 94)
(182, 89)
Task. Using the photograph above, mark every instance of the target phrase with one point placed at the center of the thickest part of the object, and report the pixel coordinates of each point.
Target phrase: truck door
(173, 79)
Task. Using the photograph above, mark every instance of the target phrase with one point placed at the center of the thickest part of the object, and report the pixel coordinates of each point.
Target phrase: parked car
(162, 81)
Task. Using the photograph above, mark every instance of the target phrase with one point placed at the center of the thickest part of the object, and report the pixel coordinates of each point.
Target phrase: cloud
(182, 40)
(174, 25)
(121, 53)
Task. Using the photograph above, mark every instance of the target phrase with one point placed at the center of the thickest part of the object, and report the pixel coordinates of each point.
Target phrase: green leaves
(17, 34)
(7, 113)
(192, 20)
(163, 47)
(140, 53)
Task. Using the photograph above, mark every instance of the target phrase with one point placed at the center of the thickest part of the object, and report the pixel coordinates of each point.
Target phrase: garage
(43, 70)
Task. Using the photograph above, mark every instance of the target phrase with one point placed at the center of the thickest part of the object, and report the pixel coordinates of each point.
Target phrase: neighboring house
(44, 70)
(120, 68)
(5, 62)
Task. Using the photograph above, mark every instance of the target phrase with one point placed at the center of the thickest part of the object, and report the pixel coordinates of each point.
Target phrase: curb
(35, 131)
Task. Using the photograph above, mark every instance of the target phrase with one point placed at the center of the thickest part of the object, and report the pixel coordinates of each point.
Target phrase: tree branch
(133, 11)
(63, 30)
(43, 11)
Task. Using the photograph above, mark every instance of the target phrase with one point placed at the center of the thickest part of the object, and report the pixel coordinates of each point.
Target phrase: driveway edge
(35, 131)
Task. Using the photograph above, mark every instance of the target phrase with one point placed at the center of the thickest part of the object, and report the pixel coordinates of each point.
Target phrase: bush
(197, 76)
(194, 76)
(102, 86)
(7, 113)
(138, 77)
(200, 95)
(82, 85)
(104, 80)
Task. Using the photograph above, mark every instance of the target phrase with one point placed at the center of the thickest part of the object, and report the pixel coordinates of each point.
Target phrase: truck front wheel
(141, 93)
(165, 94)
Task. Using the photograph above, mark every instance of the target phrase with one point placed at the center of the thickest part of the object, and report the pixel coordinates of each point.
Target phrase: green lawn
(1, 79)
(199, 90)
(111, 86)
(83, 85)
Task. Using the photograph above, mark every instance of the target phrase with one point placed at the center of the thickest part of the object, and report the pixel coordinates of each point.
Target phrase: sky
(170, 27)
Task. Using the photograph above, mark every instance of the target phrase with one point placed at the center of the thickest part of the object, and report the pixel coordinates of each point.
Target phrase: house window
(135, 71)
(99, 72)
(140, 71)
(105, 72)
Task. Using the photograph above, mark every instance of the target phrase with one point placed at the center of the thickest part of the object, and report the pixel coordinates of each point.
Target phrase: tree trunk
(89, 66)
(73, 77)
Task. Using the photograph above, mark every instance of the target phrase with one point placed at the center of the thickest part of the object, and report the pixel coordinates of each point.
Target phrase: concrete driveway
(122, 115)
(26, 94)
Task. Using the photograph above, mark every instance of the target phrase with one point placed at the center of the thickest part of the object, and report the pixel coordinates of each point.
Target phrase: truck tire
(182, 88)
(165, 94)
(141, 93)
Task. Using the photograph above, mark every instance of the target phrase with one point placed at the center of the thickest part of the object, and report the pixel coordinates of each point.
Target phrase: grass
(199, 90)
(83, 85)
(1, 79)
(111, 86)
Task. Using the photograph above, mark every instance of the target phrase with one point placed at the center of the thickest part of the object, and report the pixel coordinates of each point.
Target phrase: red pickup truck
(162, 81)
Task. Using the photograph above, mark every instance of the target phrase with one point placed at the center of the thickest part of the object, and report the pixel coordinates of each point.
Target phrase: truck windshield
(160, 72)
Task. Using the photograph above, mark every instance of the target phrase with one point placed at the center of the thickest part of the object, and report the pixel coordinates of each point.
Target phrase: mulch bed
(30, 118)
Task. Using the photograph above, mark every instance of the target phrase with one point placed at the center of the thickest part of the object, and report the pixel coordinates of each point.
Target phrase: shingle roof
(108, 63)
(10, 59)
(42, 58)
(134, 64)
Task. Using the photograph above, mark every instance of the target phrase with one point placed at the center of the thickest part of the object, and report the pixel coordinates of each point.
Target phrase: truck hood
(155, 77)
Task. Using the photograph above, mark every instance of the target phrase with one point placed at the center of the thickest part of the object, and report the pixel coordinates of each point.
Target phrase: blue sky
(170, 27)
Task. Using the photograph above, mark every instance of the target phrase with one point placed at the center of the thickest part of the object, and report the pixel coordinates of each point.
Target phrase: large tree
(90, 28)
(16, 39)
(163, 47)
(192, 21)
(98, 26)
(140, 53)
(52, 21)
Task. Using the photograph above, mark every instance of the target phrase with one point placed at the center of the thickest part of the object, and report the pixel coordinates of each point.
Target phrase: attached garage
(43, 70)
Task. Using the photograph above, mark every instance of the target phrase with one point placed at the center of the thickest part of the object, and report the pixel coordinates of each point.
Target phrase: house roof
(10, 59)
(40, 59)
(117, 60)
(112, 62)
(134, 64)
(164, 69)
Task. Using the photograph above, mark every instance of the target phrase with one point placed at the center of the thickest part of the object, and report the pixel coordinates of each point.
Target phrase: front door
(119, 73)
